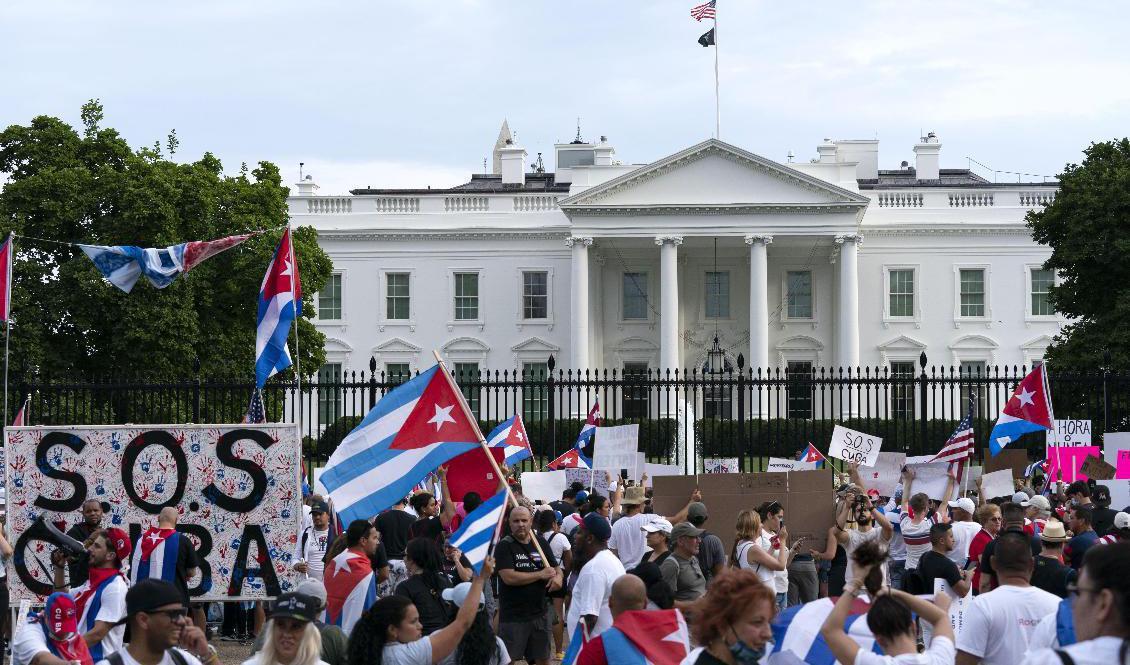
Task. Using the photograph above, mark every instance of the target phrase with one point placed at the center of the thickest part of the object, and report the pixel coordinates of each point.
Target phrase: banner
(236, 486)
(1067, 461)
(852, 446)
(1070, 433)
(616, 448)
(544, 485)
(885, 476)
(997, 484)
(1116, 450)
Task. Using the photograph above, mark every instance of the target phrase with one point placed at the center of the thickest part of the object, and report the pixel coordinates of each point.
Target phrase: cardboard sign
(1095, 467)
(236, 486)
(997, 484)
(1116, 450)
(1015, 459)
(956, 613)
(616, 448)
(721, 465)
(1066, 462)
(886, 474)
(931, 479)
(852, 446)
(1070, 433)
(543, 485)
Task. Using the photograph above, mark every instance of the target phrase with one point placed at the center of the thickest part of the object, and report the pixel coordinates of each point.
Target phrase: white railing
(1034, 199)
(971, 199)
(466, 204)
(392, 204)
(900, 200)
(329, 205)
(534, 203)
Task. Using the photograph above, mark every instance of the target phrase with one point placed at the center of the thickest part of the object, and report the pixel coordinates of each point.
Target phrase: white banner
(545, 485)
(236, 486)
(852, 446)
(886, 474)
(931, 478)
(656, 470)
(1070, 433)
(997, 484)
(1116, 450)
(589, 477)
(782, 464)
(616, 448)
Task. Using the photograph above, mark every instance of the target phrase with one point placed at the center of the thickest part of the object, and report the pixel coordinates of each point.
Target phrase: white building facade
(829, 263)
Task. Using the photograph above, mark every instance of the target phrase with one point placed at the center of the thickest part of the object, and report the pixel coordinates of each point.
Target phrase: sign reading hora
(236, 488)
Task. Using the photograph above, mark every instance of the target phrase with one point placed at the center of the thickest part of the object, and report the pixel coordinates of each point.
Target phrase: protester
(858, 509)
(567, 504)
(681, 570)
(627, 541)
(456, 566)
(571, 520)
(350, 575)
(426, 583)
(1080, 521)
(101, 599)
(525, 617)
(964, 529)
(916, 519)
(659, 595)
(51, 637)
(159, 630)
(774, 539)
(732, 621)
(91, 522)
(1012, 516)
(1078, 493)
(1102, 513)
(656, 535)
(896, 564)
(6, 552)
(310, 550)
(752, 552)
(1050, 574)
(394, 525)
(162, 553)
(433, 518)
(999, 623)
(1120, 529)
(989, 517)
(1101, 612)
(1038, 510)
(334, 643)
(390, 632)
(479, 646)
(937, 565)
(546, 524)
(599, 568)
(291, 636)
(628, 594)
(711, 553)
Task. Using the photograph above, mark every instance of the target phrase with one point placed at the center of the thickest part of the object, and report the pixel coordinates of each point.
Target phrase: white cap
(1122, 521)
(458, 593)
(1019, 497)
(964, 503)
(1039, 501)
(658, 524)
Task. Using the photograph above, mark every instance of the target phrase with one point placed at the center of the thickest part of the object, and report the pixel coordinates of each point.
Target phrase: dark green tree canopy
(89, 186)
(1088, 229)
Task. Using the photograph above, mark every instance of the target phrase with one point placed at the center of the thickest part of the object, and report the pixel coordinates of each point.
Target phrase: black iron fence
(684, 417)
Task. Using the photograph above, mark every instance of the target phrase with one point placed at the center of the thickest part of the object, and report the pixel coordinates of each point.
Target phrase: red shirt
(975, 549)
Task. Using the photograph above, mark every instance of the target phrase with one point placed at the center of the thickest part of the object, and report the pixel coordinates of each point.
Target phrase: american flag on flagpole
(959, 447)
(704, 11)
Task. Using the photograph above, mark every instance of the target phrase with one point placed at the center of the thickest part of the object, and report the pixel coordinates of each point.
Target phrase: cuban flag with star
(1028, 410)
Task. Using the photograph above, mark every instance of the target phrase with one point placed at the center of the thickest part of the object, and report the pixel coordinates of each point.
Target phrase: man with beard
(858, 508)
(101, 599)
(598, 569)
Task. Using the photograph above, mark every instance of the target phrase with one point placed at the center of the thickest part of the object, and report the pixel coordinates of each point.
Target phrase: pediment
(335, 345)
(800, 343)
(466, 345)
(715, 174)
(902, 343)
(1037, 344)
(637, 344)
(396, 345)
(974, 342)
(535, 345)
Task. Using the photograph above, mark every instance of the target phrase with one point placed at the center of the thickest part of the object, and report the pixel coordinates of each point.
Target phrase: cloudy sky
(390, 94)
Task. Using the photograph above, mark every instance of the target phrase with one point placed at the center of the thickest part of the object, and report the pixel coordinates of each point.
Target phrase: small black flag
(707, 39)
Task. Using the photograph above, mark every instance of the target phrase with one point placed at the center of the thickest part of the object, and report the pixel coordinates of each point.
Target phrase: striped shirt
(917, 538)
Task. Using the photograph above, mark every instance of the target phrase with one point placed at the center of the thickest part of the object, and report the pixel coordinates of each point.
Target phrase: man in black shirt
(393, 525)
(935, 564)
(1102, 515)
(91, 522)
(1012, 515)
(567, 504)
(1050, 574)
(525, 622)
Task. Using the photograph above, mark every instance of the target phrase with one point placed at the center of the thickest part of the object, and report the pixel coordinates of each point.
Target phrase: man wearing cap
(1037, 511)
(964, 529)
(101, 599)
(1050, 574)
(50, 637)
(711, 553)
(310, 550)
(681, 570)
(335, 644)
(627, 540)
(656, 534)
(599, 568)
(1103, 514)
(1120, 529)
(160, 631)
(525, 617)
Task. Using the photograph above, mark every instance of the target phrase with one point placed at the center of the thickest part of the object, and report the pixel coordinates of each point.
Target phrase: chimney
(306, 186)
(513, 161)
(927, 156)
(602, 153)
(827, 152)
(865, 153)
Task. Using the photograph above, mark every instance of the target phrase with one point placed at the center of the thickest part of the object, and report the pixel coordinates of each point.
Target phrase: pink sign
(1068, 460)
(1123, 465)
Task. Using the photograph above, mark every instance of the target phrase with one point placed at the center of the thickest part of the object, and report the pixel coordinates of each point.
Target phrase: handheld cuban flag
(6, 258)
(412, 430)
(155, 556)
(351, 588)
(1028, 410)
(479, 529)
(577, 457)
(647, 637)
(123, 265)
(576, 643)
(280, 303)
(797, 630)
(813, 456)
(510, 435)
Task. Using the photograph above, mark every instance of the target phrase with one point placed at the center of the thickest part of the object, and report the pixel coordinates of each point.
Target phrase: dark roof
(946, 178)
(482, 183)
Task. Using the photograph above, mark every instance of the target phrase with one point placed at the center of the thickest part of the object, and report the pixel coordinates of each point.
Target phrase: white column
(579, 303)
(669, 302)
(758, 301)
(849, 299)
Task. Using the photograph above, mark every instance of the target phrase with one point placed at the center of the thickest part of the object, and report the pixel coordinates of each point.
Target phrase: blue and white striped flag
(797, 630)
(478, 531)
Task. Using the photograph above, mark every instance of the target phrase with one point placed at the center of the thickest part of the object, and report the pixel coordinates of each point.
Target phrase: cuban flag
(155, 556)
(351, 588)
(577, 457)
(412, 430)
(6, 257)
(797, 630)
(510, 435)
(280, 303)
(123, 265)
(647, 637)
(812, 456)
(479, 528)
(1028, 410)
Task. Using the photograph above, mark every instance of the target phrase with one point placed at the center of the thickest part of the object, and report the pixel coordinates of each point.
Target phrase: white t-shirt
(112, 610)
(165, 660)
(855, 539)
(1045, 635)
(1099, 651)
(27, 642)
(963, 533)
(999, 624)
(591, 592)
(780, 578)
(628, 538)
(412, 653)
(941, 652)
(313, 552)
(917, 539)
(558, 544)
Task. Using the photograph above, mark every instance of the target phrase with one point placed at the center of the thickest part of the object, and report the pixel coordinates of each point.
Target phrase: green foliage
(93, 188)
(1088, 229)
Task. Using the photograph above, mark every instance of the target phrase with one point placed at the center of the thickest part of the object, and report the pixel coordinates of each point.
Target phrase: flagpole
(483, 443)
(8, 317)
(294, 303)
(717, 105)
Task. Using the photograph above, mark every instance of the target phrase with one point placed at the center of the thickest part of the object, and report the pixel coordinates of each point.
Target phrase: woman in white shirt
(749, 554)
(292, 638)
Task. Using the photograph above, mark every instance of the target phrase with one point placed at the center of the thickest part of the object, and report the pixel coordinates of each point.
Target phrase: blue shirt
(1078, 546)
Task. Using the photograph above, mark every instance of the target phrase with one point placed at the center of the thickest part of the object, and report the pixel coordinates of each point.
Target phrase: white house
(834, 262)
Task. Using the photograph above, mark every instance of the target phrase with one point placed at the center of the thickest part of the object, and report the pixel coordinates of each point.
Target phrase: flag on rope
(280, 303)
(412, 430)
(1028, 410)
(705, 10)
(811, 454)
(576, 457)
(479, 529)
(122, 265)
(6, 258)
(255, 411)
(797, 630)
(510, 435)
(707, 38)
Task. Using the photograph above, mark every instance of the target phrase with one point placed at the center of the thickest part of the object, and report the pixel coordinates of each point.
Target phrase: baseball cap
(582, 496)
(697, 509)
(313, 588)
(119, 540)
(964, 503)
(659, 524)
(1020, 497)
(1122, 521)
(457, 594)
(319, 506)
(1039, 501)
(686, 529)
(599, 527)
(149, 594)
(297, 606)
(60, 614)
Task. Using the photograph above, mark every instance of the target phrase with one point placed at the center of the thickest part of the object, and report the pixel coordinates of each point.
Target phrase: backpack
(178, 658)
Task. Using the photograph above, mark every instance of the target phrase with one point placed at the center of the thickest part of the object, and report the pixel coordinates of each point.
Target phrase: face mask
(743, 653)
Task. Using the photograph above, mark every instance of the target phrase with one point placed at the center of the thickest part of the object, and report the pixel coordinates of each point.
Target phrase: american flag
(959, 447)
(255, 411)
(703, 11)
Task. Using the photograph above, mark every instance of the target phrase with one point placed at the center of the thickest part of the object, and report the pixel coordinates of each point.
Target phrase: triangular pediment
(1038, 343)
(974, 342)
(396, 345)
(535, 345)
(902, 343)
(715, 174)
(466, 345)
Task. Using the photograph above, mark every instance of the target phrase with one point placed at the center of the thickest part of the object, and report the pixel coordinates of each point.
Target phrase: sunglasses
(174, 615)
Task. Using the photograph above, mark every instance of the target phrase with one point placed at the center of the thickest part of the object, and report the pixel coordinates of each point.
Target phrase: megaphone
(47, 531)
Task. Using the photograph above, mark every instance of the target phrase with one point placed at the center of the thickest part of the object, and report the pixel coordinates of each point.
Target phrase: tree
(1088, 229)
(91, 187)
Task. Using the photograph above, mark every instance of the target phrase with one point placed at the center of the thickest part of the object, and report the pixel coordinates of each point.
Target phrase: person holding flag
(351, 584)
(163, 553)
(580, 455)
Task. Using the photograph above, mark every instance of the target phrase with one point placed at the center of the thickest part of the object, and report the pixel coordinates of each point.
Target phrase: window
(397, 373)
(973, 385)
(570, 158)
(717, 393)
(635, 390)
(466, 296)
(535, 397)
(972, 292)
(800, 389)
(329, 299)
(798, 285)
(535, 295)
(329, 394)
(902, 390)
(635, 295)
(397, 298)
(901, 293)
(467, 376)
(717, 295)
(1042, 280)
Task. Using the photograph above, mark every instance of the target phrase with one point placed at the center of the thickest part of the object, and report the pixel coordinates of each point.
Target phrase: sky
(412, 94)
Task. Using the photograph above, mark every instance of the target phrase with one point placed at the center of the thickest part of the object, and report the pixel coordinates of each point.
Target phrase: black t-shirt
(837, 571)
(394, 525)
(1052, 576)
(449, 568)
(77, 569)
(1103, 520)
(933, 566)
(186, 560)
(707, 658)
(525, 602)
(426, 527)
(991, 546)
(379, 558)
(563, 507)
(433, 609)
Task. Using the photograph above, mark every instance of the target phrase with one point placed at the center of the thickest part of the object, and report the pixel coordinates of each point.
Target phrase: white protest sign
(543, 485)
(616, 449)
(641, 465)
(1070, 433)
(656, 470)
(1116, 450)
(781, 464)
(236, 487)
(587, 477)
(886, 474)
(931, 479)
(997, 484)
(721, 465)
(956, 613)
(852, 446)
